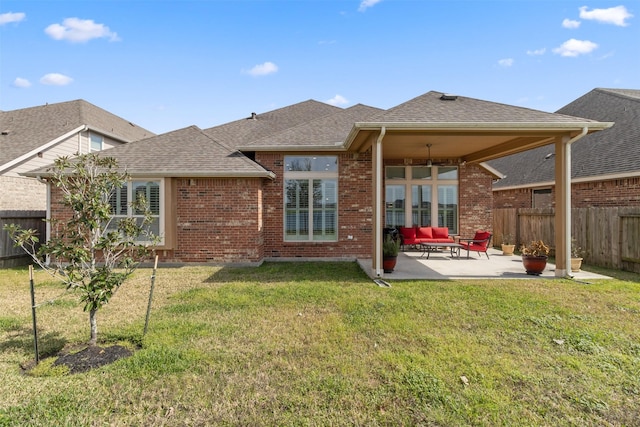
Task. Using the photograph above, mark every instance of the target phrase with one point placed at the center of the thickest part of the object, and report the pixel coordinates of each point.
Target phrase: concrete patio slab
(442, 266)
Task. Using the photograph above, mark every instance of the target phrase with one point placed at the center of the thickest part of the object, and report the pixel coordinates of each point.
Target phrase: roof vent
(5, 132)
(448, 97)
(254, 116)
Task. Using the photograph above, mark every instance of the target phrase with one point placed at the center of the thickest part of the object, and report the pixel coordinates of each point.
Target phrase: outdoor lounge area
(443, 266)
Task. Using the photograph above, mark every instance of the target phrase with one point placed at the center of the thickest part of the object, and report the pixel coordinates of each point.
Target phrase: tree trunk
(94, 327)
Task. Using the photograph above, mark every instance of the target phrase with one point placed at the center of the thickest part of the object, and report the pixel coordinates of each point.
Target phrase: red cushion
(440, 233)
(408, 233)
(481, 235)
(424, 233)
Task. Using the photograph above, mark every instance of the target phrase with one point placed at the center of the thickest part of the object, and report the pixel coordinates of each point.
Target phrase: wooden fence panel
(630, 241)
(609, 236)
(10, 255)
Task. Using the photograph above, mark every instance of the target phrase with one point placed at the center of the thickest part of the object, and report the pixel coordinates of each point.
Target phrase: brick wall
(217, 220)
(617, 192)
(354, 211)
(475, 198)
(18, 193)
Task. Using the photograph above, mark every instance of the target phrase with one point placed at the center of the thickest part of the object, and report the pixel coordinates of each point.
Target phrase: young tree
(89, 250)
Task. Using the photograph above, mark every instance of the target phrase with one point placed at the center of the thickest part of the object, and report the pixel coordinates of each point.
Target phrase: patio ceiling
(463, 142)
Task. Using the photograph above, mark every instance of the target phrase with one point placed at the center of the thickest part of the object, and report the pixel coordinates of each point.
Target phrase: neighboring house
(34, 137)
(313, 181)
(605, 166)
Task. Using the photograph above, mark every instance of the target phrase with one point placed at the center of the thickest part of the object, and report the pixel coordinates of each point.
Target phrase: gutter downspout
(378, 201)
(567, 199)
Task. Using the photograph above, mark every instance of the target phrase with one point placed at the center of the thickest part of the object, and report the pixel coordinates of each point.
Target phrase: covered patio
(456, 131)
(442, 266)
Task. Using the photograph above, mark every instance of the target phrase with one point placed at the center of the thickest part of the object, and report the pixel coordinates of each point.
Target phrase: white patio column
(563, 206)
(378, 198)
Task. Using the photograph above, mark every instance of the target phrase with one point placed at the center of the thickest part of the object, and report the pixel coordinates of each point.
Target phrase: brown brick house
(605, 165)
(314, 181)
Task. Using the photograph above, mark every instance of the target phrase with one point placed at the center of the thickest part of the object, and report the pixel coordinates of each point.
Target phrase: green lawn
(320, 344)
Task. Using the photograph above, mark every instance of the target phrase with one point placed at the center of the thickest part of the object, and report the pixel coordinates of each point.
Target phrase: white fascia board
(485, 126)
(495, 172)
(43, 147)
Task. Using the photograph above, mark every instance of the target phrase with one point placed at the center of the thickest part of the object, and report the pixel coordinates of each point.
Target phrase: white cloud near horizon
(570, 24)
(613, 15)
(6, 18)
(77, 30)
(337, 100)
(55, 79)
(536, 52)
(21, 82)
(366, 4)
(573, 47)
(262, 69)
(507, 62)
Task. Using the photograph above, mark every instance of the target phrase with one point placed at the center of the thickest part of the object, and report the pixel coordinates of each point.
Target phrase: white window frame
(310, 176)
(161, 205)
(432, 181)
(97, 135)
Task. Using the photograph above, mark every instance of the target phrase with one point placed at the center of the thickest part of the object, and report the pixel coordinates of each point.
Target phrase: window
(134, 190)
(95, 142)
(429, 187)
(311, 198)
(542, 198)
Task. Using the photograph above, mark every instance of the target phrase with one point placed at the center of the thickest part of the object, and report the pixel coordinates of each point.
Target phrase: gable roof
(611, 152)
(184, 152)
(241, 132)
(28, 129)
(326, 132)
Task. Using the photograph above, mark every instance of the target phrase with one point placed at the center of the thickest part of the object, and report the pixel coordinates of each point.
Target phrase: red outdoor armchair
(479, 243)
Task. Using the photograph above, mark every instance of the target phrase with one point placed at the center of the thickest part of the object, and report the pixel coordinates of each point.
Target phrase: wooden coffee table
(427, 248)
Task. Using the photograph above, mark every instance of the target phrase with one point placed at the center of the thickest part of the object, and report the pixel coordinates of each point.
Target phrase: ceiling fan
(430, 161)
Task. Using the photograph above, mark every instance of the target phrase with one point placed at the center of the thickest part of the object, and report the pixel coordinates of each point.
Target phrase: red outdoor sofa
(411, 236)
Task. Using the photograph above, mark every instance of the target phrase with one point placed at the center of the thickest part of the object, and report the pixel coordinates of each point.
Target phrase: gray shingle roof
(328, 131)
(430, 108)
(187, 152)
(29, 128)
(240, 132)
(611, 151)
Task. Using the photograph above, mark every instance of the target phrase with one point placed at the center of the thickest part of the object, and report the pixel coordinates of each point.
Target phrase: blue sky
(166, 64)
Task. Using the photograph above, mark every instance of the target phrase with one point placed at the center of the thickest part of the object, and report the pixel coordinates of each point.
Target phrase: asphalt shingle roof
(612, 151)
(29, 128)
(430, 108)
(329, 130)
(243, 131)
(184, 152)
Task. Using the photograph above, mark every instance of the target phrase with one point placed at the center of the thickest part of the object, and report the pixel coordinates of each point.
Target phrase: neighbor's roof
(27, 129)
(186, 152)
(613, 152)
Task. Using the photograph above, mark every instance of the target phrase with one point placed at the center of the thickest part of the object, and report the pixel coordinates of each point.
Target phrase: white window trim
(161, 214)
(309, 176)
(434, 182)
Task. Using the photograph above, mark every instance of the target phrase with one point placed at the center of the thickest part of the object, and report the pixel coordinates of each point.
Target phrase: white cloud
(614, 15)
(570, 23)
(537, 52)
(55, 79)
(6, 18)
(337, 100)
(366, 4)
(573, 47)
(507, 62)
(80, 30)
(262, 69)
(20, 82)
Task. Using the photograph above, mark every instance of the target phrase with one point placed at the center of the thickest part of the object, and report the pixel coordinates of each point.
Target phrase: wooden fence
(10, 255)
(609, 237)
